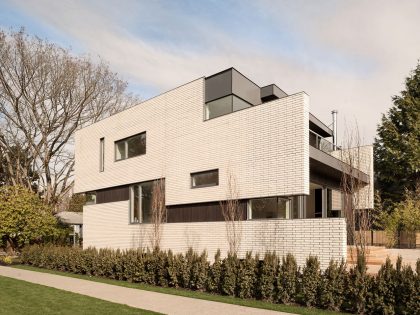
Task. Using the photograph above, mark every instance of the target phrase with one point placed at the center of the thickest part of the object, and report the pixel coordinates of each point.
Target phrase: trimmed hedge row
(391, 291)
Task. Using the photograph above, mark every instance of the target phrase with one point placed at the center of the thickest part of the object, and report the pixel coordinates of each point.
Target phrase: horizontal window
(130, 147)
(269, 208)
(224, 105)
(205, 179)
(90, 198)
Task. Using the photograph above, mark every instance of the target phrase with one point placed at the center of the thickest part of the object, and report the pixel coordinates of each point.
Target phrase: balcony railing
(321, 143)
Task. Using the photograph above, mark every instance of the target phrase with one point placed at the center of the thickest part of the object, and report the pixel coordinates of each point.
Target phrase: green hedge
(394, 290)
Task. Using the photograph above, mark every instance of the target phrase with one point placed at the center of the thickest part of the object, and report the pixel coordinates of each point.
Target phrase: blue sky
(347, 55)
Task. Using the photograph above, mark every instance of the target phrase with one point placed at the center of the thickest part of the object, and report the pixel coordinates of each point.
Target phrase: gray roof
(68, 217)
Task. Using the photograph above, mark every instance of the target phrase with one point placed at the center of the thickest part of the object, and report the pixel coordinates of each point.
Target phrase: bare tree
(158, 212)
(46, 94)
(232, 213)
(356, 195)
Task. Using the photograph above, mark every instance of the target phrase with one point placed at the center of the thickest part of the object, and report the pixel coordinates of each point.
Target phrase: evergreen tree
(397, 145)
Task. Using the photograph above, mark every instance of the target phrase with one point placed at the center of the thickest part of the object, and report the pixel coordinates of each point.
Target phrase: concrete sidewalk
(158, 302)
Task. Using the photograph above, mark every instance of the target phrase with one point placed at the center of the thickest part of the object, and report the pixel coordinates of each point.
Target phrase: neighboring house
(74, 220)
(194, 136)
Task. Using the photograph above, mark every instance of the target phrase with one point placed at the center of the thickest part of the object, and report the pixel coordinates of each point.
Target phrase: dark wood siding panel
(113, 194)
(200, 212)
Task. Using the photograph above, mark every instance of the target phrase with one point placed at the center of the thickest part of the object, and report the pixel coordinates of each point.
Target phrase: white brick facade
(106, 226)
(266, 147)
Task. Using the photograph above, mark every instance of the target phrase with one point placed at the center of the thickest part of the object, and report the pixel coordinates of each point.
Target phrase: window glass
(101, 154)
(120, 150)
(283, 208)
(130, 147)
(146, 202)
(295, 207)
(90, 198)
(204, 179)
(135, 209)
(136, 145)
(141, 201)
(264, 208)
(239, 104)
(219, 107)
(270, 208)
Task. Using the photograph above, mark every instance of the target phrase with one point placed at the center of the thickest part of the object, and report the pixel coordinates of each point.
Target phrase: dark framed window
(224, 105)
(269, 208)
(141, 201)
(205, 179)
(130, 147)
(90, 198)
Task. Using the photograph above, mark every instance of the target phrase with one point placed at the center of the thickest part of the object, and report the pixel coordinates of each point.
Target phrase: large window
(141, 202)
(224, 105)
(101, 155)
(205, 179)
(130, 147)
(269, 208)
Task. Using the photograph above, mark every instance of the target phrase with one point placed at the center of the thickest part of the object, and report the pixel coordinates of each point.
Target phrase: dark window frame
(126, 146)
(205, 185)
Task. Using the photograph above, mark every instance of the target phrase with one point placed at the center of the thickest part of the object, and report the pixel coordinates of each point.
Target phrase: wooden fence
(405, 240)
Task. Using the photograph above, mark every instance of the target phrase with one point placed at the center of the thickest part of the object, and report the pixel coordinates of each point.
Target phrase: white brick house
(194, 136)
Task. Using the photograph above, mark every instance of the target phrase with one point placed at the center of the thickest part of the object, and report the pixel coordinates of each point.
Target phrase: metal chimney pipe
(334, 117)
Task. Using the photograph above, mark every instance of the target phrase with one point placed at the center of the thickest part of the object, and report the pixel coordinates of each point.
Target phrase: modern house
(194, 137)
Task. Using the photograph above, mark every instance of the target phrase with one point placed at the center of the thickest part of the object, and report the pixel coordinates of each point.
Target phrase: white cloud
(376, 44)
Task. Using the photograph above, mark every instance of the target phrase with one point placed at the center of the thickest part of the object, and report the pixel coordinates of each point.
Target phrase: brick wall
(106, 226)
(266, 147)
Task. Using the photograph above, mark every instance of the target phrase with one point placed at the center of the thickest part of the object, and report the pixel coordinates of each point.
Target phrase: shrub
(405, 290)
(391, 291)
(311, 280)
(267, 277)
(215, 274)
(331, 293)
(247, 273)
(287, 280)
(357, 284)
(381, 293)
(173, 269)
(229, 274)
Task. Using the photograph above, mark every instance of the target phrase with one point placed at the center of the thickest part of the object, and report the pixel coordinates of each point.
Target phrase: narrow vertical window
(101, 154)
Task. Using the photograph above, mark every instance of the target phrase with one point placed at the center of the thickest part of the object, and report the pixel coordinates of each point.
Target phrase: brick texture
(266, 147)
(106, 226)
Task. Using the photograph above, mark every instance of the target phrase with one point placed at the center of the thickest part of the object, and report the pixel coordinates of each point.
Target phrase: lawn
(21, 297)
(191, 294)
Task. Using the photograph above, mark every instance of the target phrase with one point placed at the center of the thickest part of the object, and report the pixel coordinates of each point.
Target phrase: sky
(352, 56)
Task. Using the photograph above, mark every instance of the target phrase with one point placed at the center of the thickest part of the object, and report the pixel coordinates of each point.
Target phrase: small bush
(246, 277)
(311, 280)
(215, 274)
(229, 274)
(358, 283)
(267, 277)
(287, 280)
(331, 293)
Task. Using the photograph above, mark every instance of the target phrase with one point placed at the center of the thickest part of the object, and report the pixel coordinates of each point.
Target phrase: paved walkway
(158, 302)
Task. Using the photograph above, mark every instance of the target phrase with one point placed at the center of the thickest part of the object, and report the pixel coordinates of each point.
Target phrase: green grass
(21, 297)
(191, 294)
